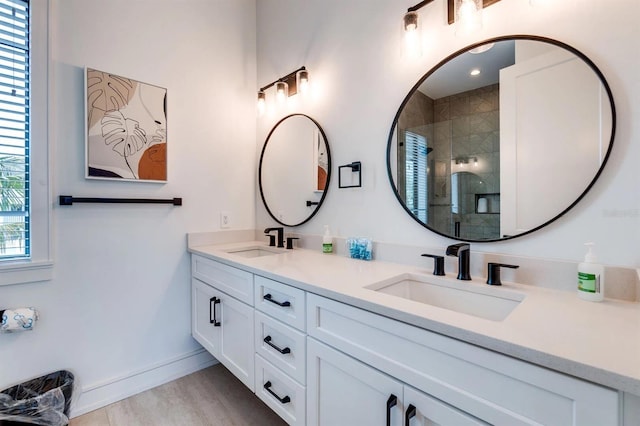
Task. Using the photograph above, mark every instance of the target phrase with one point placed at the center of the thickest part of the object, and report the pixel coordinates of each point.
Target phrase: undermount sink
(489, 303)
(254, 251)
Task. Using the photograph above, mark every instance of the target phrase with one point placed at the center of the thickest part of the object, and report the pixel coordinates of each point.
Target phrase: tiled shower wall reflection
(465, 135)
(469, 123)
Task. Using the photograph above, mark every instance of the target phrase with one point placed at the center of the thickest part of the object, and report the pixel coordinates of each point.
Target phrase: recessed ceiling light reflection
(474, 72)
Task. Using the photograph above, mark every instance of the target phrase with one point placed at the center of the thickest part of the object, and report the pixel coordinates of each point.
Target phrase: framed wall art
(126, 128)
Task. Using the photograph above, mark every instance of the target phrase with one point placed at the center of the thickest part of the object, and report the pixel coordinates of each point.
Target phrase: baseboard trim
(99, 395)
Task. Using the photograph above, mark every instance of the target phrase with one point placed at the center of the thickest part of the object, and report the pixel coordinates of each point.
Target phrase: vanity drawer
(280, 392)
(272, 338)
(281, 301)
(495, 388)
(233, 281)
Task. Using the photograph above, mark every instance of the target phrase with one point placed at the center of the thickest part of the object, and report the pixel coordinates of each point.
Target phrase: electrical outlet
(225, 219)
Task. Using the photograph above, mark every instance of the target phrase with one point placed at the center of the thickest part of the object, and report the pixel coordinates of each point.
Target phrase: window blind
(416, 174)
(14, 129)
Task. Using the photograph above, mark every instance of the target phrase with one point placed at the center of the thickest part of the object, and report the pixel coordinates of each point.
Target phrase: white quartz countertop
(599, 342)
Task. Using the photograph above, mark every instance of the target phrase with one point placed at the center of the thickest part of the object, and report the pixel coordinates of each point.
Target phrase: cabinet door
(529, 122)
(203, 302)
(495, 388)
(236, 338)
(224, 327)
(344, 392)
(421, 409)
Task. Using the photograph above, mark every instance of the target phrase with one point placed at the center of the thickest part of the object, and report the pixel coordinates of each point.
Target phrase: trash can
(41, 401)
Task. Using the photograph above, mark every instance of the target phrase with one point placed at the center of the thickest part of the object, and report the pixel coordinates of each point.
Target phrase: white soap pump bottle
(590, 277)
(327, 241)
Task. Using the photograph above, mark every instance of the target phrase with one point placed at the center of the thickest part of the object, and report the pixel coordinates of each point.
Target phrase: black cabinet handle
(409, 414)
(391, 402)
(212, 311)
(268, 298)
(284, 400)
(267, 340)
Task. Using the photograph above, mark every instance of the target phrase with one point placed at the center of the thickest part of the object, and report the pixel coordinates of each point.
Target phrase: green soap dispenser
(590, 277)
(327, 241)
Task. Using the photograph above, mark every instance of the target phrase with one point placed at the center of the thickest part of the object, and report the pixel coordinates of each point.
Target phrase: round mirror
(294, 171)
(501, 138)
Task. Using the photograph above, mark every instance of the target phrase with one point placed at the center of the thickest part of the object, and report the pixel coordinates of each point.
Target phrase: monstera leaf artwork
(107, 92)
(126, 128)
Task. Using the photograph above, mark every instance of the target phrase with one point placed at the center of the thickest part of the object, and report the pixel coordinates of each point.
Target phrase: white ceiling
(453, 77)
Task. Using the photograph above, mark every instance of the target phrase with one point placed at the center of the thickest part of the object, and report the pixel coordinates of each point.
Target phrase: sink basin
(254, 252)
(489, 303)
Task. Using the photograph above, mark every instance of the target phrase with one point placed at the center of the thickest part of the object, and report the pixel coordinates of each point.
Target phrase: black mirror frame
(324, 194)
(571, 49)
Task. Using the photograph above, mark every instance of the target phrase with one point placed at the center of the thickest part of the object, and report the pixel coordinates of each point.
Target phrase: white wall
(120, 300)
(352, 50)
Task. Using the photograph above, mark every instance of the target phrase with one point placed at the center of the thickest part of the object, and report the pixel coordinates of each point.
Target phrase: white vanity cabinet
(480, 384)
(280, 343)
(223, 324)
(316, 361)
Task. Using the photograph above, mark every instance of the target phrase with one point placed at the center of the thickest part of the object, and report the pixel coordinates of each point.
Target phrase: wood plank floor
(209, 397)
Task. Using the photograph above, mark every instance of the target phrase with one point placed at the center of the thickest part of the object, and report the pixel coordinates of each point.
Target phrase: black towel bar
(68, 200)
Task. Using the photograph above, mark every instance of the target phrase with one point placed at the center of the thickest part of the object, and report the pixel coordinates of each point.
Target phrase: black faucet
(493, 273)
(462, 251)
(280, 235)
(290, 242)
(438, 263)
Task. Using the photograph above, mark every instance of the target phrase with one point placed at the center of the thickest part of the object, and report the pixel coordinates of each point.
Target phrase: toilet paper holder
(17, 319)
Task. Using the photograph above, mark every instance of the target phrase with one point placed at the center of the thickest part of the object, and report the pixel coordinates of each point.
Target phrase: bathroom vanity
(327, 340)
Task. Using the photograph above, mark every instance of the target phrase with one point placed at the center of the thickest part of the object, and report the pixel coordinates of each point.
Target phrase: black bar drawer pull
(284, 400)
(409, 414)
(212, 311)
(268, 298)
(391, 402)
(267, 340)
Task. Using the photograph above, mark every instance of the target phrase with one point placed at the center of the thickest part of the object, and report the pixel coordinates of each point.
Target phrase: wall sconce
(467, 14)
(412, 30)
(451, 8)
(303, 81)
(282, 91)
(262, 99)
(462, 161)
(285, 86)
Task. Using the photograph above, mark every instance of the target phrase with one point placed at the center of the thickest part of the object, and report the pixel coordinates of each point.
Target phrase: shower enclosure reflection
(505, 149)
(441, 180)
